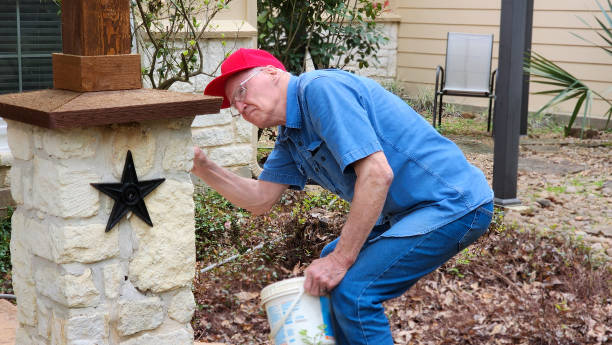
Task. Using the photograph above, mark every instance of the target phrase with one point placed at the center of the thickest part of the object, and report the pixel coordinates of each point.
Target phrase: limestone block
(246, 131)
(84, 244)
(164, 257)
(44, 320)
(38, 239)
(6, 159)
(243, 171)
(178, 155)
(69, 290)
(19, 136)
(64, 191)
(182, 123)
(183, 336)
(137, 138)
(181, 86)
(223, 118)
(80, 290)
(21, 259)
(182, 306)
(26, 299)
(20, 177)
(234, 155)
(213, 136)
(78, 142)
(113, 277)
(89, 329)
(22, 337)
(139, 315)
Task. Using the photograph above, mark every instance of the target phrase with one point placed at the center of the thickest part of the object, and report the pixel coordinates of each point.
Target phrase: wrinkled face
(255, 94)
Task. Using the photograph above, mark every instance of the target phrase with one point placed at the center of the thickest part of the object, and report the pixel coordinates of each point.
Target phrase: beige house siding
(424, 25)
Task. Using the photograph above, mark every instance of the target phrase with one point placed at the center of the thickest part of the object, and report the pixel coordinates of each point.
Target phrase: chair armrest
(439, 78)
(492, 86)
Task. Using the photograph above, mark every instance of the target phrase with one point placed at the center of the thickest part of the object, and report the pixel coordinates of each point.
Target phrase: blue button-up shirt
(335, 118)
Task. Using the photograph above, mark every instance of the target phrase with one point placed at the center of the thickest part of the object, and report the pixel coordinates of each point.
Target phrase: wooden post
(96, 27)
(97, 45)
(516, 22)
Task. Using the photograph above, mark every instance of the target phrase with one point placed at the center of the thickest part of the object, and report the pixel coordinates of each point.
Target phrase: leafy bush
(334, 32)
(218, 224)
(566, 86)
(5, 252)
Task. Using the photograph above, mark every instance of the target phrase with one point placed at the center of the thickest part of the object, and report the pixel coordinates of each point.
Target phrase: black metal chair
(468, 71)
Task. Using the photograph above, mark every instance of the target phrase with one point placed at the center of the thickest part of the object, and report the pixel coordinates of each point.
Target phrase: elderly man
(415, 200)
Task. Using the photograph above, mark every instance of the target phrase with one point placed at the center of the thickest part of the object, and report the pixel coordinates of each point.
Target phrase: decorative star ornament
(129, 194)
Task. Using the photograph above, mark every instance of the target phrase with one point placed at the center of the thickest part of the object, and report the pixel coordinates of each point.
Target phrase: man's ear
(274, 72)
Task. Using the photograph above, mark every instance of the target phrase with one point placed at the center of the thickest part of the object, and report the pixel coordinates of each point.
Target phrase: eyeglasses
(240, 93)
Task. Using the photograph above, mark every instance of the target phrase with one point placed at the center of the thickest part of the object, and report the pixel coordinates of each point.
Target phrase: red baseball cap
(240, 60)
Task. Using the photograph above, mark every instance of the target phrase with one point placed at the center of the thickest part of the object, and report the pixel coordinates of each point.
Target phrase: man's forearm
(374, 176)
(371, 190)
(242, 192)
(233, 187)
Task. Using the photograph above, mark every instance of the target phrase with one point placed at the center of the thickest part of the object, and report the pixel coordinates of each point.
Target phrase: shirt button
(323, 158)
(300, 143)
(316, 169)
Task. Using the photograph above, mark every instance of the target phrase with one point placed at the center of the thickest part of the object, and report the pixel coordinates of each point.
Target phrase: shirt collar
(293, 113)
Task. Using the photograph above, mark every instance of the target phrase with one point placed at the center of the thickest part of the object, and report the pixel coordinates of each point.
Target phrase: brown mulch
(535, 278)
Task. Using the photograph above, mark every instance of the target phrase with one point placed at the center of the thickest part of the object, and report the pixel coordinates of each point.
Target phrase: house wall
(424, 26)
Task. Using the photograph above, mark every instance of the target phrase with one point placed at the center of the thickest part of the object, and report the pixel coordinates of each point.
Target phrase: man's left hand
(325, 274)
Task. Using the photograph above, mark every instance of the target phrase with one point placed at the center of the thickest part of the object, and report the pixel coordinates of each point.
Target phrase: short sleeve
(281, 168)
(340, 119)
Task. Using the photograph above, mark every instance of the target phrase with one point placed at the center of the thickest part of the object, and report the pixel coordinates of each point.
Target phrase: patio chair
(467, 71)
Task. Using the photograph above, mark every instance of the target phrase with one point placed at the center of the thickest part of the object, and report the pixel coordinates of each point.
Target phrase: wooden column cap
(96, 73)
(68, 109)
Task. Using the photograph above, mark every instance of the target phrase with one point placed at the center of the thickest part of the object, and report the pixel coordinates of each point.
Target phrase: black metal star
(129, 194)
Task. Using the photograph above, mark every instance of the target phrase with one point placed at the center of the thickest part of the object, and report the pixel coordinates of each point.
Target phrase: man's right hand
(200, 161)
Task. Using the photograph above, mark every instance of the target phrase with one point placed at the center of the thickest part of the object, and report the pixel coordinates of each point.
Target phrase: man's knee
(344, 300)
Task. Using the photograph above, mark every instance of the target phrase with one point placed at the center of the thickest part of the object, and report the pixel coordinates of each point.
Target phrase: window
(30, 30)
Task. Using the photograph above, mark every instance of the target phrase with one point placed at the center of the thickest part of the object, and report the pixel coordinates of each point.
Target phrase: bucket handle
(280, 323)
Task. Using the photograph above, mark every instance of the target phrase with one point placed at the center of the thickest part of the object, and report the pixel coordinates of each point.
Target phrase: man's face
(254, 93)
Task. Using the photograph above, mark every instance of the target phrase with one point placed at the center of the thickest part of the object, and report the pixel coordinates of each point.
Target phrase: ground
(539, 276)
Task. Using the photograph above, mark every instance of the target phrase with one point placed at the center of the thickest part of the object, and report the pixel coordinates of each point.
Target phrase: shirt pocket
(320, 162)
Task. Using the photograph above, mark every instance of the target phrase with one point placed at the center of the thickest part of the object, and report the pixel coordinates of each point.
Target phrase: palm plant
(566, 85)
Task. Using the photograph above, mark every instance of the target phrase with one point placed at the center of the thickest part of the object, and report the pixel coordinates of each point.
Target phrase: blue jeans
(388, 267)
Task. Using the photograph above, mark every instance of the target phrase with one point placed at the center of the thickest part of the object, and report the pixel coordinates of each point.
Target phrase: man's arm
(254, 195)
(374, 176)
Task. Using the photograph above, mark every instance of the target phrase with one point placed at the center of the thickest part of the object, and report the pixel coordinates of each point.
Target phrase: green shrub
(334, 32)
(5, 240)
(218, 224)
(563, 85)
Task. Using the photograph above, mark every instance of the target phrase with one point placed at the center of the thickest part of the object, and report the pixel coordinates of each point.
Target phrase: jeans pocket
(470, 237)
(480, 224)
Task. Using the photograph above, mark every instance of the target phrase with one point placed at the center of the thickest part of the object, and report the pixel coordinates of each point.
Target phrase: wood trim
(67, 109)
(96, 73)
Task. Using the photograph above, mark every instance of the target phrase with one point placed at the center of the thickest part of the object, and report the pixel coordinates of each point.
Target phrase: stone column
(76, 283)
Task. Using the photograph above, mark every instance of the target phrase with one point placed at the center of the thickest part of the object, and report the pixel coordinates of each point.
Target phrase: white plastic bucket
(294, 315)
